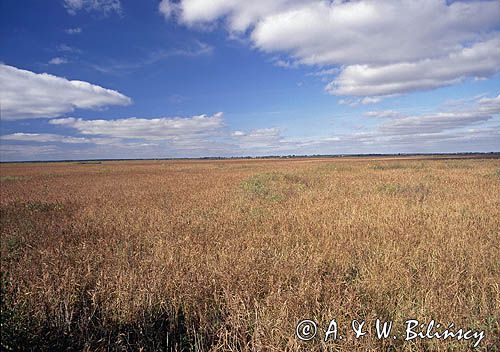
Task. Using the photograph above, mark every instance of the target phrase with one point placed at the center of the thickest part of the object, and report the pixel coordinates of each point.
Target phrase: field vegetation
(231, 254)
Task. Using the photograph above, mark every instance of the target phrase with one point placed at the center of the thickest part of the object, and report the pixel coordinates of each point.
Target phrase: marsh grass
(274, 186)
(387, 166)
(11, 178)
(229, 255)
(380, 166)
(417, 191)
(333, 167)
(458, 164)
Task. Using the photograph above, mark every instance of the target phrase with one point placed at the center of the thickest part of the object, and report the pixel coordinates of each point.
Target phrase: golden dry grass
(229, 255)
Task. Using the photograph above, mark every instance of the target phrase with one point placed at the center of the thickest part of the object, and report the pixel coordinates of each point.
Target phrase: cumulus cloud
(25, 94)
(103, 6)
(381, 47)
(376, 32)
(480, 60)
(239, 14)
(163, 128)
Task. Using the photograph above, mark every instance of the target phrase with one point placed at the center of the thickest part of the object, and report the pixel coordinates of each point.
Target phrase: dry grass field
(230, 255)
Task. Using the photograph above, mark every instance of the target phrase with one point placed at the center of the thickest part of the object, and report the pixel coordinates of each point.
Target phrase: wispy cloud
(67, 49)
(177, 99)
(23, 152)
(197, 48)
(352, 102)
(105, 7)
(167, 8)
(58, 61)
(75, 30)
(43, 138)
(384, 114)
(285, 63)
(325, 72)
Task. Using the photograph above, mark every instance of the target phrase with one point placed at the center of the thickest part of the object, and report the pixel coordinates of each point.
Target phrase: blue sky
(85, 79)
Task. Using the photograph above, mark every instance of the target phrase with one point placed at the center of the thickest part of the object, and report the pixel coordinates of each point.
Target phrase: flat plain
(225, 255)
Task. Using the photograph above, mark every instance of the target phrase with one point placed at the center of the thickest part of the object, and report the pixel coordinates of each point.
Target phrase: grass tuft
(11, 178)
(274, 186)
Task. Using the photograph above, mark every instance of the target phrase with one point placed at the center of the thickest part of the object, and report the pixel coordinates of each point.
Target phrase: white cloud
(166, 8)
(438, 122)
(67, 49)
(25, 152)
(449, 131)
(433, 123)
(25, 94)
(122, 138)
(58, 61)
(57, 138)
(485, 139)
(465, 128)
(352, 102)
(240, 14)
(489, 105)
(76, 30)
(258, 138)
(480, 60)
(375, 32)
(163, 128)
(43, 138)
(325, 72)
(370, 100)
(196, 49)
(285, 64)
(103, 6)
(381, 47)
(383, 114)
